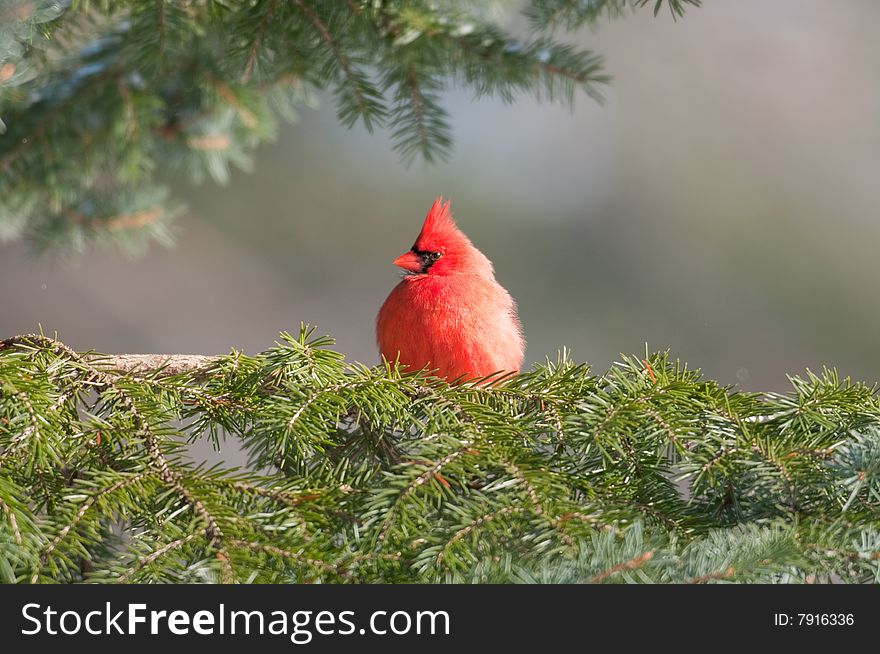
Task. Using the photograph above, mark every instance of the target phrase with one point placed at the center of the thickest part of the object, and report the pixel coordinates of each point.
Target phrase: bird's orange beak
(409, 261)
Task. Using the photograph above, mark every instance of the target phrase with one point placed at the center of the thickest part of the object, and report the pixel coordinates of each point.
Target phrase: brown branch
(632, 564)
(165, 364)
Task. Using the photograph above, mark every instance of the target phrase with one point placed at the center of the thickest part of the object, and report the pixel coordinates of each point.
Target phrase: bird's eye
(435, 255)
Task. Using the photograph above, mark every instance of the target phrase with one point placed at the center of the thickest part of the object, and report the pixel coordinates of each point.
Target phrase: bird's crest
(439, 225)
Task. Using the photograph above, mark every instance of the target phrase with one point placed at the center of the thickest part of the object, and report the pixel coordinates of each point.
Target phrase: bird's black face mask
(428, 258)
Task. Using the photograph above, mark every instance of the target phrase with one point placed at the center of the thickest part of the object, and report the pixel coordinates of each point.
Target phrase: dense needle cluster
(645, 473)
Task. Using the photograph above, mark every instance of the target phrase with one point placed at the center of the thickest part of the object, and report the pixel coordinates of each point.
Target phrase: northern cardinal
(448, 313)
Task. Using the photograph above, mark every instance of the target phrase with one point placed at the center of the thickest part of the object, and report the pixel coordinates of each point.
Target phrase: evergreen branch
(352, 7)
(418, 106)
(105, 382)
(713, 576)
(247, 117)
(574, 14)
(125, 92)
(413, 485)
(13, 522)
(286, 554)
(155, 556)
(588, 78)
(27, 143)
(400, 477)
(118, 222)
(161, 27)
(676, 7)
(39, 133)
(366, 109)
(537, 507)
(84, 508)
(476, 524)
(255, 43)
(278, 496)
(135, 220)
(94, 107)
(32, 430)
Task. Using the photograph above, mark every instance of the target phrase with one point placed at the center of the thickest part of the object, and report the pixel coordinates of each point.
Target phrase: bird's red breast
(448, 313)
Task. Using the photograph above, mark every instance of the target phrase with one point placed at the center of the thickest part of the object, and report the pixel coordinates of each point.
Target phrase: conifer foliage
(101, 100)
(647, 473)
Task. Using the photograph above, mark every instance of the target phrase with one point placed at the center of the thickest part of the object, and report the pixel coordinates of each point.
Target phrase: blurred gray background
(723, 203)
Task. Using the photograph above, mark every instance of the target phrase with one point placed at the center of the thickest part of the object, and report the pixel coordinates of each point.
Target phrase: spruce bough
(101, 102)
(647, 473)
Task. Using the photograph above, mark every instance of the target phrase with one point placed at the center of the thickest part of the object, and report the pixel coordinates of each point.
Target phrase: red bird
(448, 313)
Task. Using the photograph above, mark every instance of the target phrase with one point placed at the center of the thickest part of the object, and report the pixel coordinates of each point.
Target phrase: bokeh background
(723, 203)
